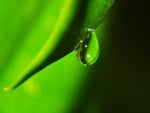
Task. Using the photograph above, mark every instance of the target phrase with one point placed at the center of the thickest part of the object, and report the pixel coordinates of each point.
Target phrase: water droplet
(87, 50)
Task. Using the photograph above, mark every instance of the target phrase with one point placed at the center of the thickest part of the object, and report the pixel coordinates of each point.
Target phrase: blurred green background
(117, 83)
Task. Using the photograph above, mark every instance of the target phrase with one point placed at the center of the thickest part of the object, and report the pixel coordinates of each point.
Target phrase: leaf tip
(7, 89)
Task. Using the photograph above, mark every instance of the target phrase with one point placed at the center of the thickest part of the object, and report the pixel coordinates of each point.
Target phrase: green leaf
(75, 17)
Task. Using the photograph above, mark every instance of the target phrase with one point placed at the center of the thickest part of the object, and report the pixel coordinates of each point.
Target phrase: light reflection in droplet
(87, 50)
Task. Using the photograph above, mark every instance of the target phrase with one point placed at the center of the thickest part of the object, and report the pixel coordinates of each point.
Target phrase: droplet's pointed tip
(7, 89)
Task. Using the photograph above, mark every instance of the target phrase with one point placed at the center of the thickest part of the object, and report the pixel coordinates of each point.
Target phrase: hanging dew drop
(87, 50)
